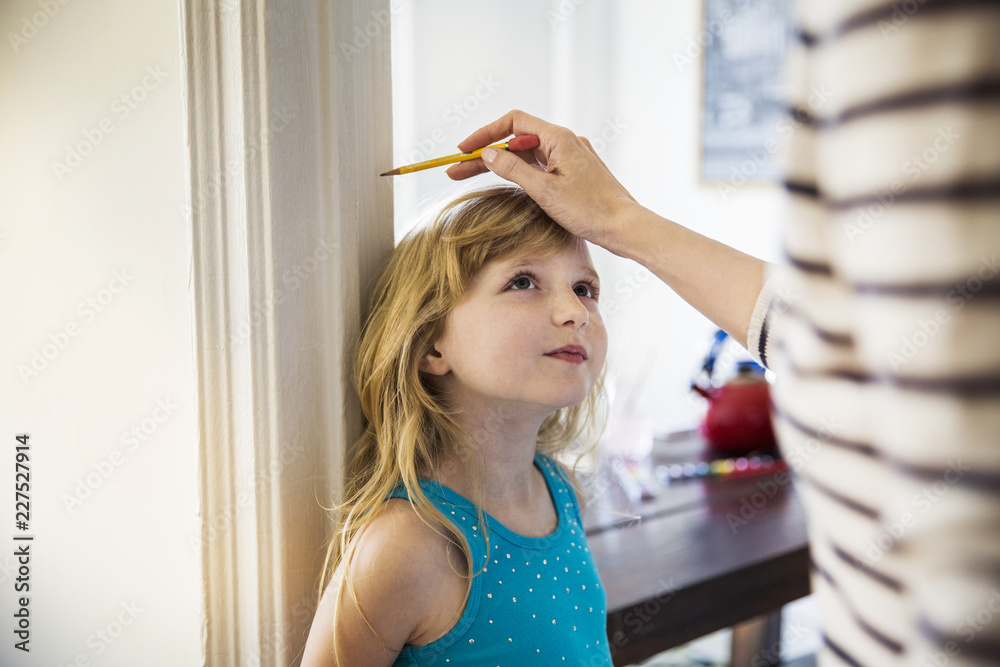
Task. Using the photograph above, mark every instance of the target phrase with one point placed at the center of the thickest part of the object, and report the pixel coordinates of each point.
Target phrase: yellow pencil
(522, 143)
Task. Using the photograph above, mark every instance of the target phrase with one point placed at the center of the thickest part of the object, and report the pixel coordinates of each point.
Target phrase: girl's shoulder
(408, 573)
(401, 543)
(399, 519)
(400, 586)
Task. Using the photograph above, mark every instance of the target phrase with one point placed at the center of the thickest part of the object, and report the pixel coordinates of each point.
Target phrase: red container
(738, 419)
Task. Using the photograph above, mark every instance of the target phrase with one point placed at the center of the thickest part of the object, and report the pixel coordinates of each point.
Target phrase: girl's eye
(523, 281)
(590, 290)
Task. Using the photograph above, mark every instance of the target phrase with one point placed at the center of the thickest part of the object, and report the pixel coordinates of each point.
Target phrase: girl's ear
(433, 363)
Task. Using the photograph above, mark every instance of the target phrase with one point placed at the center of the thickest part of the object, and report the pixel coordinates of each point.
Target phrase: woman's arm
(571, 183)
(721, 282)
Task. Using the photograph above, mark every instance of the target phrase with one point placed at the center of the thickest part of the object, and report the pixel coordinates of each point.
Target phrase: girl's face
(499, 347)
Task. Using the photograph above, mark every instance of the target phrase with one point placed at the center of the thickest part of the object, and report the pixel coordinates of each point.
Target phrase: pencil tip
(394, 172)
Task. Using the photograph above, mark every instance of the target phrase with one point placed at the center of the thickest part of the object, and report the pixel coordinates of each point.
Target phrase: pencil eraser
(525, 142)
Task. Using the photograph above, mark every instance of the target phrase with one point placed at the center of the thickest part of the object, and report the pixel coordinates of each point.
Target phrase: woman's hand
(568, 180)
(563, 175)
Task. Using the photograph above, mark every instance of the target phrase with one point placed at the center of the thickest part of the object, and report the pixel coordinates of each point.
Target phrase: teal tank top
(537, 601)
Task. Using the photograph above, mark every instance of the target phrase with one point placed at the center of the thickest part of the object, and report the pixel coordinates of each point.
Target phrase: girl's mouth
(574, 354)
(567, 356)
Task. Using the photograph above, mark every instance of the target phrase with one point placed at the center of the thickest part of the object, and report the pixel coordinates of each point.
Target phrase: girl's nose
(569, 310)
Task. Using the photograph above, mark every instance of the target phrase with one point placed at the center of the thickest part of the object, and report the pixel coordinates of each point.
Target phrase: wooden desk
(706, 555)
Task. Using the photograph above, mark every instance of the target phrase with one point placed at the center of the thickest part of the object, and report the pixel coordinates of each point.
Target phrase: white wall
(64, 237)
(627, 75)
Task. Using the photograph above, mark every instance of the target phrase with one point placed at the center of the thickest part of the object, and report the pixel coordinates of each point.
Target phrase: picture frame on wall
(743, 90)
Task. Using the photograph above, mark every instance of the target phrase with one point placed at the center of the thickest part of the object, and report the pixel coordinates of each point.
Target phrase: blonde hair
(407, 428)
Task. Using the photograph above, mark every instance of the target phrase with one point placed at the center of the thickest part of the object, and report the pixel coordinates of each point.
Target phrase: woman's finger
(513, 122)
(462, 170)
(509, 166)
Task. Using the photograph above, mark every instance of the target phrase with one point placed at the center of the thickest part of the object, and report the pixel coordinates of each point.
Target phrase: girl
(461, 540)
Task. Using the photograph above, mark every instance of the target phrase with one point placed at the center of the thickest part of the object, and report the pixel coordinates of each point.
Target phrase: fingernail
(489, 154)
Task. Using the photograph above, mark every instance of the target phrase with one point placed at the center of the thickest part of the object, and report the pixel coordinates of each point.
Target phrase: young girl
(461, 540)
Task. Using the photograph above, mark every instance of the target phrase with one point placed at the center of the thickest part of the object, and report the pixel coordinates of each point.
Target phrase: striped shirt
(883, 325)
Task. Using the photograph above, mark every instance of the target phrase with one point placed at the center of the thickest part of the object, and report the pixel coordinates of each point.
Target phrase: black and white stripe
(883, 328)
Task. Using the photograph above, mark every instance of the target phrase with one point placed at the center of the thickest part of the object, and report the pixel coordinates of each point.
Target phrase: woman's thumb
(509, 166)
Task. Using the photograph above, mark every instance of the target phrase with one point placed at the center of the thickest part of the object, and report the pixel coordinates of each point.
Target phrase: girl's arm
(570, 182)
(405, 585)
